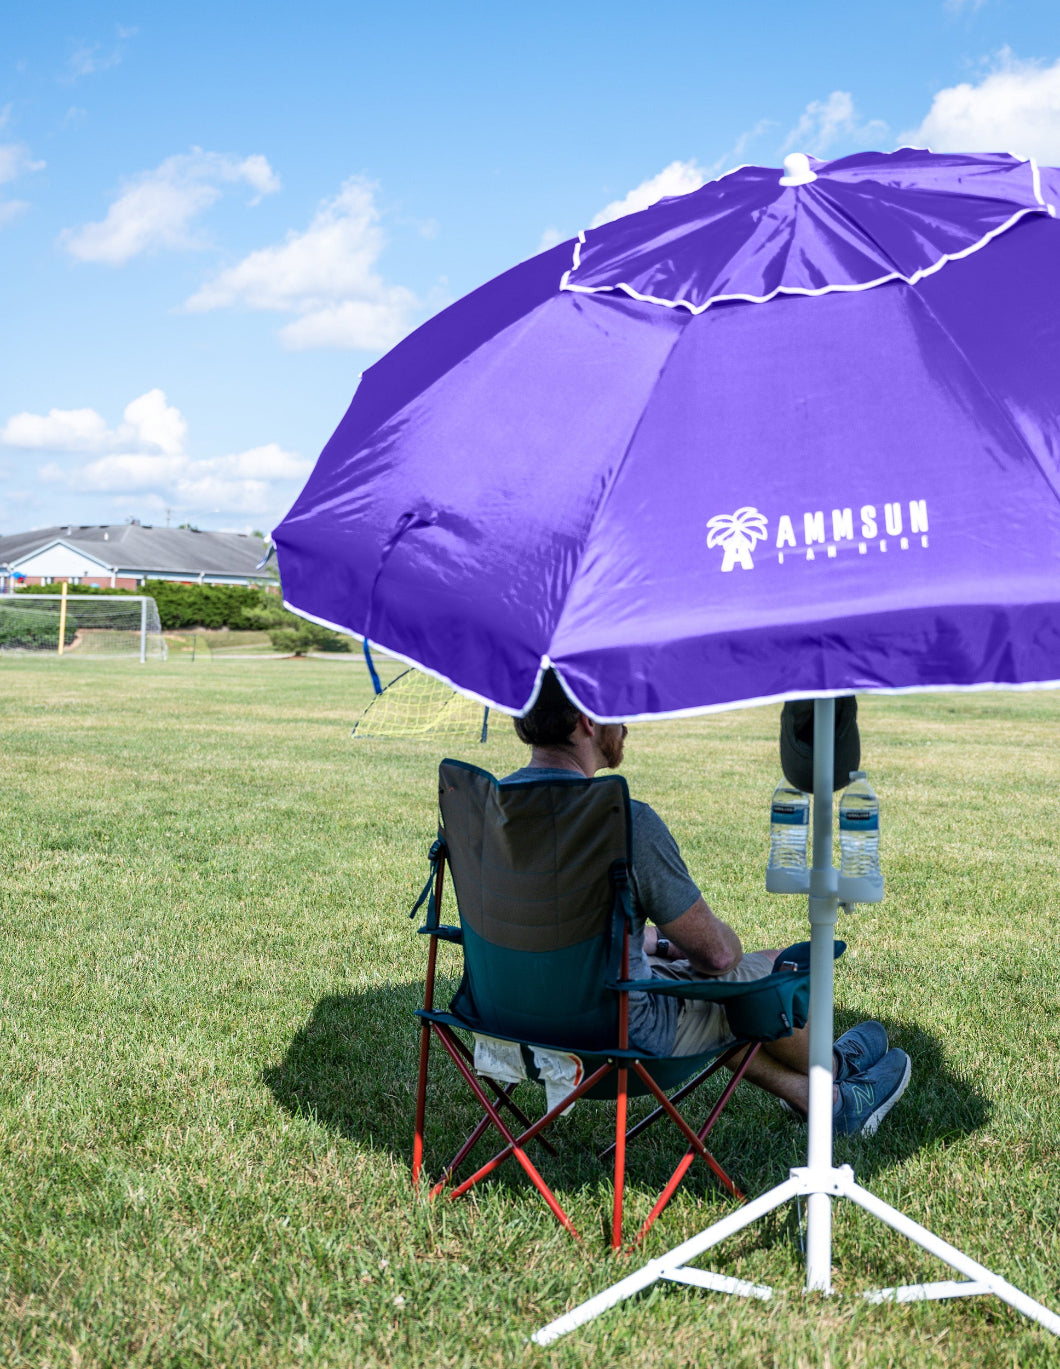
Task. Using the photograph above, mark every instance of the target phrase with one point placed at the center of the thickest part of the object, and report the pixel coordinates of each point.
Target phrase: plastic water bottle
(859, 830)
(789, 827)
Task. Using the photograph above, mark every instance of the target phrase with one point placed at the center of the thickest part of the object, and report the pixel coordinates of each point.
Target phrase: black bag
(796, 742)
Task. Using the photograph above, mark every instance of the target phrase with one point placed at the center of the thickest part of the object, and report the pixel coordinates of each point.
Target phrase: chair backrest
(534, 866)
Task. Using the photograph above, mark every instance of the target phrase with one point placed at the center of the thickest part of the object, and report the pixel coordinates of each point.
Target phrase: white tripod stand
(819, 1181)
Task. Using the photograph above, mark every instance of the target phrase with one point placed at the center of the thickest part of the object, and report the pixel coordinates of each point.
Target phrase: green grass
(208, 1053)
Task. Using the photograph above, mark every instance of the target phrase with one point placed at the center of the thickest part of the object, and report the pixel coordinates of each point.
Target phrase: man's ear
(585, 725)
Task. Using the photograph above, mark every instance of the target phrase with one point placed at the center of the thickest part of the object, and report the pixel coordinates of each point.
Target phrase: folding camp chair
(541, 870)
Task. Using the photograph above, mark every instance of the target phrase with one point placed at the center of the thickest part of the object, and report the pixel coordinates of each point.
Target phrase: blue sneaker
(865, 1099)
(859, 1049)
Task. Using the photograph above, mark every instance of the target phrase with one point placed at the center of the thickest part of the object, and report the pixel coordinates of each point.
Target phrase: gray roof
(140, 550)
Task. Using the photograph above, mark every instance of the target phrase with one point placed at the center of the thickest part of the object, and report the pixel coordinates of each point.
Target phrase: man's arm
(710, 944)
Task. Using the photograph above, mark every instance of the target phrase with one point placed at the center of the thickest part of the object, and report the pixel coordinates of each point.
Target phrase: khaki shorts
(703, 1026)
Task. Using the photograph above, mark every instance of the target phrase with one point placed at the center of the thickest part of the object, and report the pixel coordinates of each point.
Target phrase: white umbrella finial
(797, 170)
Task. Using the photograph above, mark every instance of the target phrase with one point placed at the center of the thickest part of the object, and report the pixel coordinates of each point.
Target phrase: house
(124, 555)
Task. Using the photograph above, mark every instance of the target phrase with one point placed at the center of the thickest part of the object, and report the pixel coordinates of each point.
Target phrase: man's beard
(612, 745)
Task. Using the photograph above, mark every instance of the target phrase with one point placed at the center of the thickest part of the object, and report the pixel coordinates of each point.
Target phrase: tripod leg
(661, 1268)
(955, 1258)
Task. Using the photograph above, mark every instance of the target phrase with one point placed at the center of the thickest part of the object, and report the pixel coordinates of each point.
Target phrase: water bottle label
(860, 820)
(790, 815)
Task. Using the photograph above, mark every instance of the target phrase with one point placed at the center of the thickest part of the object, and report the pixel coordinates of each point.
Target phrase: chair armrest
(712, 990)
(762, 1009)
(453, 934)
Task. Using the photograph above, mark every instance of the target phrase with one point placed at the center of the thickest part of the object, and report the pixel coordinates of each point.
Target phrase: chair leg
(681, 1093)
(532, 1132)
(421, 1103)
(495, 1117)
(503, 1095)
(620, 1159)
(425, 1038)
(450, 1168)
(697, 1147)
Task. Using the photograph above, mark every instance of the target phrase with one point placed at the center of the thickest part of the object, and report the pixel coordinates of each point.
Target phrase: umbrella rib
(1049, 479)
(606, 493)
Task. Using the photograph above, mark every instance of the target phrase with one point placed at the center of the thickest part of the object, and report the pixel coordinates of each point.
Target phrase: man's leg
(780, 1067)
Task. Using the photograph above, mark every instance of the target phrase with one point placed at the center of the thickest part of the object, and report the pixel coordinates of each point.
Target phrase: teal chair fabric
(541, 873)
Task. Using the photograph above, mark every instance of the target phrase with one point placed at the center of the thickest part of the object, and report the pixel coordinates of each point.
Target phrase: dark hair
(552, 718)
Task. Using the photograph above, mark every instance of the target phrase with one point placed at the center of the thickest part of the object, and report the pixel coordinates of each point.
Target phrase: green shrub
(182, 605)
(74, 589)
(208, 606)
(303, 636)
(33, 631)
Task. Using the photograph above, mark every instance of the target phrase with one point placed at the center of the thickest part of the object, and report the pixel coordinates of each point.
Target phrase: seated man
(869, 1078)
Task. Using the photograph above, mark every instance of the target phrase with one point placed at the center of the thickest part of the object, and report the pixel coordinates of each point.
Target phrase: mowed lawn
(207, 1050)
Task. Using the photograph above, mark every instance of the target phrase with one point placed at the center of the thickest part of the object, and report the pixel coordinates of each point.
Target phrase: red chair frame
(515, 1144)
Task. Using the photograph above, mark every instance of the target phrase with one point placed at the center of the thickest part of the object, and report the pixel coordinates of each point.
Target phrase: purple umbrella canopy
(787, 435)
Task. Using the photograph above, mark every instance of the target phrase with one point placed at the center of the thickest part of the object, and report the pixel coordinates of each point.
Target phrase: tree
(305, 637)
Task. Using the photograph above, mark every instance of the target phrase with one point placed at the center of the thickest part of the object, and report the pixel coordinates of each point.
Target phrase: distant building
(124, 555)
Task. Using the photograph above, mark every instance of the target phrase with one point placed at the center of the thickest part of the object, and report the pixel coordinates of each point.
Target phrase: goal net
(95, 625)
(417, 705)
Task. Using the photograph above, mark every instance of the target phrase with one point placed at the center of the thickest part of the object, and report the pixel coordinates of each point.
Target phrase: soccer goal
(417, 705)
(84, 625)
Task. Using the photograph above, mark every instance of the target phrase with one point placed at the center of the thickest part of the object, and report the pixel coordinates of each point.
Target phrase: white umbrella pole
(819, 1181)
(823, 904)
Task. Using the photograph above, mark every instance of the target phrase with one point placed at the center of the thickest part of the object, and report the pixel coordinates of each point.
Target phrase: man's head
(555, 724)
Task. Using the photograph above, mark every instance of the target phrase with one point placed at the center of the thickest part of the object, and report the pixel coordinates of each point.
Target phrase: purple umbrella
(784, 436)
(777, 437)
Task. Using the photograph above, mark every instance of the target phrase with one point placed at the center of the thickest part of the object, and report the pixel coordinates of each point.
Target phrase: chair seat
(668, 1071)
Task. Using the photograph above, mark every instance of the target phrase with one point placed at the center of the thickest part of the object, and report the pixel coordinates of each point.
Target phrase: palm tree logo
(737, 533)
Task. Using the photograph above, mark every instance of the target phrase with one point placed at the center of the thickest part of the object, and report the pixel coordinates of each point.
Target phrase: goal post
(98, 626)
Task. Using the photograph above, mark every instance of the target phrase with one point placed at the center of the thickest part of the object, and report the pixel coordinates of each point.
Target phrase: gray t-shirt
(662, 890)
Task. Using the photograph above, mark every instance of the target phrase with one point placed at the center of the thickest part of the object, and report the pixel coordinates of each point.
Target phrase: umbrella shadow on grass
(353, 1066)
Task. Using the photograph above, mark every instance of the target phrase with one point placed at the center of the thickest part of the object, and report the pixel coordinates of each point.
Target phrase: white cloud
(825, 123)
(135, 471)
(326, 276)
(963, 6)
(65, 430)
(679, 178)
(15, 161)
(156, 423)
(749, 136)
(676, 179)
(241, 482)
(1015, 108)
(150, 425)
(156, 209)
(145, 455)
(87, 59)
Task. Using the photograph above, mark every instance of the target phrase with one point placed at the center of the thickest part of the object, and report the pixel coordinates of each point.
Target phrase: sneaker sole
(874, 1119)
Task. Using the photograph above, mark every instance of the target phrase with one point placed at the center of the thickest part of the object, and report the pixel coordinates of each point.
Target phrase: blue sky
(214, 217)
